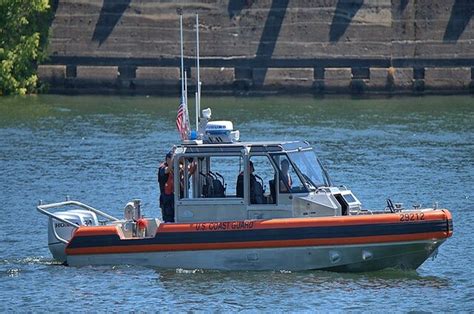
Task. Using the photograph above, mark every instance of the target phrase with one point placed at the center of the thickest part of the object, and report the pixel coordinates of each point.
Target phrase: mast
(198, 81)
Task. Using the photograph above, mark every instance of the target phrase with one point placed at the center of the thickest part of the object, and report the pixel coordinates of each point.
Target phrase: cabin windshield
(310, 168)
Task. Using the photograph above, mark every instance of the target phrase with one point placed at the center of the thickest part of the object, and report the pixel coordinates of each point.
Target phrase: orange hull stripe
(85, 231)
(309, 222)
(257, 244)
(277, 223)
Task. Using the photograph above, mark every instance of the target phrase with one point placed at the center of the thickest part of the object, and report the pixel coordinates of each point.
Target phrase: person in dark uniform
(165, 181)
(256, 190)
(285, 178)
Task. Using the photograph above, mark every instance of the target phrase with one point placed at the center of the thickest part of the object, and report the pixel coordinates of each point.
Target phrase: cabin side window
(262, 173)
(219, 179)
(210, 177)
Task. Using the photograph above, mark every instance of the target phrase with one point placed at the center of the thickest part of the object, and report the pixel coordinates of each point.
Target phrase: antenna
(185, 87)
(198, 81)
(186, 97)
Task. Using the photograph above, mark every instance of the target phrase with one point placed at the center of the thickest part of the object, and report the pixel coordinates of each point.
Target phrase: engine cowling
(58, 230)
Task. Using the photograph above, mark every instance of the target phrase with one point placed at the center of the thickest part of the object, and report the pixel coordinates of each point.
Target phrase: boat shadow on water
(192, 279)
(386, 278)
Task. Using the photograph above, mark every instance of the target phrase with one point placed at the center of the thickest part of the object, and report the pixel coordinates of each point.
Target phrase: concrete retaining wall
(166, 80)
(448, 78)
(321, 46)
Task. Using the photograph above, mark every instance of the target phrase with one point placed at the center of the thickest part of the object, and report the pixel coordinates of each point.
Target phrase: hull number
(412, 216)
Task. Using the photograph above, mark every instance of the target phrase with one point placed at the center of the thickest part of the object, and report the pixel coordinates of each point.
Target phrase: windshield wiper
(310, 183)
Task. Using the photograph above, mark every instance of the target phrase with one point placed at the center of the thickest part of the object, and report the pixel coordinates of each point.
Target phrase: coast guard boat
(310, 224)
(248, 206)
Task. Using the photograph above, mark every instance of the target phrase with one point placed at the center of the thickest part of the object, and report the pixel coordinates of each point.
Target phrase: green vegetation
(24, 28)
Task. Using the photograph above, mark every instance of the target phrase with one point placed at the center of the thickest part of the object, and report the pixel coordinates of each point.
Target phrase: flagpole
(198, 81)
(182, 53)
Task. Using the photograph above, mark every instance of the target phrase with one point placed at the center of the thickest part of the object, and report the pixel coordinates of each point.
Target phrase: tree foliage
(24, 27)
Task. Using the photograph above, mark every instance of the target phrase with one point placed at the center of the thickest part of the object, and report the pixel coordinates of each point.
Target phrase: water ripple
(105, 151)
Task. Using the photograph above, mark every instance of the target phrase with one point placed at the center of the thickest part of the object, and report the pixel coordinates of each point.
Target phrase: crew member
(256, 189)
(165, 180)
(285, 178)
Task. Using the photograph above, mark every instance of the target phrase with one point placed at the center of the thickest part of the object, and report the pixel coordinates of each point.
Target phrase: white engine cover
(60, 229)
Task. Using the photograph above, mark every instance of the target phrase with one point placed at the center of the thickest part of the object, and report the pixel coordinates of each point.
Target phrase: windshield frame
(317, 176)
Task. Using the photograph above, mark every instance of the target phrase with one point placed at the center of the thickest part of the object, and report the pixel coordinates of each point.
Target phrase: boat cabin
(239, 180)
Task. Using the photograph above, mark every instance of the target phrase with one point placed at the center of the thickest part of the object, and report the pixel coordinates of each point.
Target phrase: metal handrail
(58, 237)
(43, 209)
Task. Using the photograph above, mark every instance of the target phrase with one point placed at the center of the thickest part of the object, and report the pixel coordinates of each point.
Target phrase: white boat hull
(405, 255)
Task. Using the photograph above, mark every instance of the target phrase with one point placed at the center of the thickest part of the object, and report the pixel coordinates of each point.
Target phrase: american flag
(182, 120)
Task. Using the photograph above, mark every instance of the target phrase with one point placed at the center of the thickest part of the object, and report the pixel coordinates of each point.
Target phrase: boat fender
(142, 225)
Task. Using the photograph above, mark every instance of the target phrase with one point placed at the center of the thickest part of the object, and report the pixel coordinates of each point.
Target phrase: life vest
(169, 185)
(165, 180)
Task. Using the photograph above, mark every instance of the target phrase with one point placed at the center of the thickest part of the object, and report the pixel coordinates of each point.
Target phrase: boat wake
(189, 271)
(30, 260)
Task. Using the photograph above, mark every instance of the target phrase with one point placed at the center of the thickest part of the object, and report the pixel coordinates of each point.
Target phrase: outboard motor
(58, 230)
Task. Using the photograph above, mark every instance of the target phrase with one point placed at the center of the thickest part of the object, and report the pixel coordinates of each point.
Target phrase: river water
(104, 151)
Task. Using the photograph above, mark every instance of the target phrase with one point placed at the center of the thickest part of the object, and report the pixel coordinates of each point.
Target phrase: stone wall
(318, 46)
